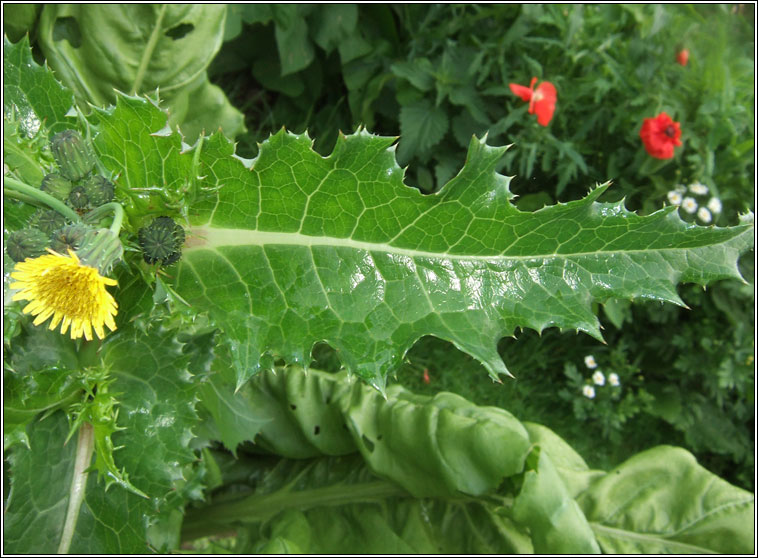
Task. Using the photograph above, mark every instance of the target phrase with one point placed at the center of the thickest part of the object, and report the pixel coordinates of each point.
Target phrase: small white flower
(699, 189)
(589, 361)
(681, 188)
(613, 379)
(689, 205)
(675, 198)
(598, 378)
(704, 215)
(714, 204)
(588, 392)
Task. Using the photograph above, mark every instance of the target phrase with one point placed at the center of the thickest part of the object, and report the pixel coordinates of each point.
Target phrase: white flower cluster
(689, 204)
(598, 378)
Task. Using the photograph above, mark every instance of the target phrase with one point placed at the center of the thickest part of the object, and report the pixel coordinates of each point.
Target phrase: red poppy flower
(541, 101)
(660, 135)
(683, 56)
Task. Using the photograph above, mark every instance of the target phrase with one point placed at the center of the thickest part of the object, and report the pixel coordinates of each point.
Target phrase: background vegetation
(436, 74)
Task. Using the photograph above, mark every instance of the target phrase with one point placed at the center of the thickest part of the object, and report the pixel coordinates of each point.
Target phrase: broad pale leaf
(437, 447)
(663, 502)
(97, 49)
(451, 458)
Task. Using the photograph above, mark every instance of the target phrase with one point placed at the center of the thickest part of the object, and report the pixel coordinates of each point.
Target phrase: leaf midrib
(212, 238)
(660, 539)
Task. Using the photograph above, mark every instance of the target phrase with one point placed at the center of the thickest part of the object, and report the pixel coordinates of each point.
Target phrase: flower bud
(99, 190)
(47, 220)
(56, 185)
(78, 198)
(26, 243)
(68, 238)
(161, 241)
(73, 155)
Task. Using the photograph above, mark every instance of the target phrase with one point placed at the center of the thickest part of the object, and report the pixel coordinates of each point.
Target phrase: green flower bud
(99, 190)
(56, 185)
(68, 238)
(78, 198)
(26, 243)
(47, 220)
(161, 241)
(73, 155)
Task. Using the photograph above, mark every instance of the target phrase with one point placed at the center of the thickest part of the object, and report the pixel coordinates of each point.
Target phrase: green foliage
(292, 253)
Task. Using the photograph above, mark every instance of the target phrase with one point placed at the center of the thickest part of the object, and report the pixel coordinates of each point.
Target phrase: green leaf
(21, 156)
(156, 406)
(311, 246)
(546, 508)
(228, 408)
(139, 48)
(18, 19)
(662, 502)
(333, 22)
(151, 376)
(422, 126)
(336, 505)
(419, 72)
(430, 446)
(303, 248)
(31, 92)
(295, 48)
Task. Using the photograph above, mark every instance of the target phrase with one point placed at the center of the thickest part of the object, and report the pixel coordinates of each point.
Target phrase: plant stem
(148, 53)
(84, 448)
(12, 187)
(118, 215)
(201, 522)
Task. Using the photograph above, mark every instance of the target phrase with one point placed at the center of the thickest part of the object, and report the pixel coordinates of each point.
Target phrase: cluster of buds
(75, 183)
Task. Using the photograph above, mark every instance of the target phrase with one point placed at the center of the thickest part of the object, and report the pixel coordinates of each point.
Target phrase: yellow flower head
(69, 291)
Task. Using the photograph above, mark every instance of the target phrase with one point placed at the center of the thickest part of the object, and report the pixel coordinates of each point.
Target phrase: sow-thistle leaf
(303, 248)
(151, 380)
(31, 92)
(297, 248)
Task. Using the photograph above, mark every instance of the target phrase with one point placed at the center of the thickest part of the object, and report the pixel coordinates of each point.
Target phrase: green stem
(11, 186)
(219, 517)
(118, 215)
(84, 448)
(148, 53)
